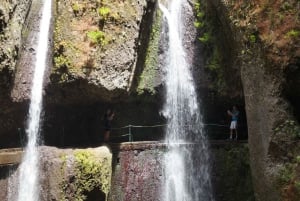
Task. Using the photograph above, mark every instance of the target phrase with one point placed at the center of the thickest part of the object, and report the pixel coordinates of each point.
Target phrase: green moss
(75, 7)
(205, 38)
(89, 173)
(298, 159)
(216, 70)
(286, 6)
(147, 78)
(297, 186)
(198, 24)
(61, 61)
(97, 37)
(104, 12)
(252, 38)
(289, 178)
(290, 128)
(285, 174)
(292, 34)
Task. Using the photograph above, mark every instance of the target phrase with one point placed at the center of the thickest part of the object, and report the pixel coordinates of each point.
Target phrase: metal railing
(130, 127)
(218, 131)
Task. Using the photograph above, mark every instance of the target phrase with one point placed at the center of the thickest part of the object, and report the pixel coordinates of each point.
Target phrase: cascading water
(187, 175)
(28, 178)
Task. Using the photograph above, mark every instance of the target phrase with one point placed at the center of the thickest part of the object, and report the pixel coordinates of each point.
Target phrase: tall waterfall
(187, 175)
(29, 170)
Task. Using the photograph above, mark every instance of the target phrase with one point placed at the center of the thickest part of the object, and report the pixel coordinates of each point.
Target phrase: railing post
(20, 136)
(130, 134)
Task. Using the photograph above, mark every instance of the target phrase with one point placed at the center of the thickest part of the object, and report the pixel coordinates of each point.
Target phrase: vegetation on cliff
(79, 31)
(150, 72)
(208, 29)
(274, 24)
(91, 174)
(97, 41)
(268, 39)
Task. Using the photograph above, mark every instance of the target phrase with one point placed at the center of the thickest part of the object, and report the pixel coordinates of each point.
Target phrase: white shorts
(233, 125)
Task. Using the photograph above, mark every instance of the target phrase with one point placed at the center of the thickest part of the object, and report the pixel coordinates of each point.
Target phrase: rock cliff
(13, 15)
(105, 53)
(264, 52)
(67, 174)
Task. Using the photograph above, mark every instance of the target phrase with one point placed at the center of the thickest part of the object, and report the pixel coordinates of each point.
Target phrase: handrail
(130, 136)
(129, 127)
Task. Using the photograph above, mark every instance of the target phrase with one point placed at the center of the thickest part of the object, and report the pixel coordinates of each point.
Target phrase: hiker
(108, 117)
(234, 118)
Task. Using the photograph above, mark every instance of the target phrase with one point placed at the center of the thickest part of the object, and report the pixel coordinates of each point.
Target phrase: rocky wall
(66, 174)
(98, 48)
(138, 172)
(134, 173)
(96, 45)
(265, 38)
(13, 15)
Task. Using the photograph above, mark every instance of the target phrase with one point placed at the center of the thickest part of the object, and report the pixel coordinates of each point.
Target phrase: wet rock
(67, 174)
(263, 78)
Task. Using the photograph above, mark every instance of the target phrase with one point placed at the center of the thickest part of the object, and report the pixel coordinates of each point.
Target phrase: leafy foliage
(89, 173)
(97, 37)
(205, 38)
(104, 12)
(290, 128)
(293, 34)
(285, 174)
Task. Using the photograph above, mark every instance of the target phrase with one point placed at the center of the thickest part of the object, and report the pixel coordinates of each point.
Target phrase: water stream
(29, 171)
(186, 163)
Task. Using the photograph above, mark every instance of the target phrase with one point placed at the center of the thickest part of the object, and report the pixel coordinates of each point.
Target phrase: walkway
(14, 155)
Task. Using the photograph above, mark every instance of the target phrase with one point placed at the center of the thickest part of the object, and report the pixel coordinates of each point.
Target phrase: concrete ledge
(141, 145)
(10, 156)
(14, 155)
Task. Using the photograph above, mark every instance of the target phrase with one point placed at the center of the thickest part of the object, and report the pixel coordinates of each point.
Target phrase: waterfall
(186, 163)
(29, 170)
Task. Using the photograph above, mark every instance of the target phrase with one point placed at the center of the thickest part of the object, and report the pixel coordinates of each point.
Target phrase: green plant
(103, 11)
(205, 38)
(298, 159)
(286, 6)
(252, 38)
(292, 34)
(89, 173)
(97, 37)
(147, 77)
(290, 128)
(61, 61)
(198, 24)
(75, 7)
(285, 174)
(297, 186)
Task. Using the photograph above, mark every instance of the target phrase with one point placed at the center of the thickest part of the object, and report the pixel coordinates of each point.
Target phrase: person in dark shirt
(108, 117)
(234, 118)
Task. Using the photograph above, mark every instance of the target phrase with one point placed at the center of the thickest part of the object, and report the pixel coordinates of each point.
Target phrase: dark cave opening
(95, 195)
(83, 125)
(292, 89)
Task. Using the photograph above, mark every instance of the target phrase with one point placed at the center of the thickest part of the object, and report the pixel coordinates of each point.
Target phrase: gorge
(111, 54)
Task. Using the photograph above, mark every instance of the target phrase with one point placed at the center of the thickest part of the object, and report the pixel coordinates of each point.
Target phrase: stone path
(14, 155)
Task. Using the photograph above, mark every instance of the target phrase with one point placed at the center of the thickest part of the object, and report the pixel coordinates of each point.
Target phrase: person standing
(233, 125)
(108, 117)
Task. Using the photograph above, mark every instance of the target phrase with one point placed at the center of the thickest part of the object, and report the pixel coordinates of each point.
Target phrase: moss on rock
(207, 25)
(89, 172)
(150, 71)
